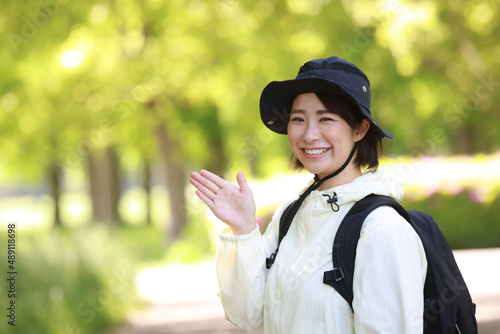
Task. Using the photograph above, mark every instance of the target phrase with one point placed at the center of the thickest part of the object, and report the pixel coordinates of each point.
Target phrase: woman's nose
(312, 133)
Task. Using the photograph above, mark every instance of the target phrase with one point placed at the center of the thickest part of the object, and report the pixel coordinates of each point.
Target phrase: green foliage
(465, 223)
(195, 243)
(79, 280)
(89, 74)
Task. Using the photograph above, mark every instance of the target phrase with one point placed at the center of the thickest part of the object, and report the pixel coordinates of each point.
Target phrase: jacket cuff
(227, 235)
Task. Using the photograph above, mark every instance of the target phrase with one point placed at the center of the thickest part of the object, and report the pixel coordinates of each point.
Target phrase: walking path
(183, 298)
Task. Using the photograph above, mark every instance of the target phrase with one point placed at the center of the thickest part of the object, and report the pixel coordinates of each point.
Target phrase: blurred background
(107, 106)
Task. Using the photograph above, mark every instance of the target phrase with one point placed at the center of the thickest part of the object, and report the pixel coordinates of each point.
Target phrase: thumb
(242, 182)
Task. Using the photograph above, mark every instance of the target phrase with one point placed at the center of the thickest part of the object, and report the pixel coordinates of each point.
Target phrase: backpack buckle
(330, 276)
(270, 260)
(338, 274)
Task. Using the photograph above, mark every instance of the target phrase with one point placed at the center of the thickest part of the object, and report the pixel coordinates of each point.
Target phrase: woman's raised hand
(234, 206)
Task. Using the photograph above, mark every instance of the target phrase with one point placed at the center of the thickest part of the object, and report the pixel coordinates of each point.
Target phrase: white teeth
(316, 151)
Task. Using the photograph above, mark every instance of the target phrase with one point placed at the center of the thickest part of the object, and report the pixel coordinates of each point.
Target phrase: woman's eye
(297, 119)
(326, 119)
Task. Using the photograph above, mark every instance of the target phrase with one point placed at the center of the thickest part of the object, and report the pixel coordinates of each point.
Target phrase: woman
(325, 112)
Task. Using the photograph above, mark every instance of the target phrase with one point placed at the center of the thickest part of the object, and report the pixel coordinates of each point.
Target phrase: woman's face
(319, 138)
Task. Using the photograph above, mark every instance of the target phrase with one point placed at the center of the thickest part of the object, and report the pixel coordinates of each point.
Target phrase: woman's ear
(361, 130)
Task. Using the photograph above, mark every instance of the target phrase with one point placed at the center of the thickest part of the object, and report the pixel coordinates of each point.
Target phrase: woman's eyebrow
(324, 111)
(296, 111)
(319, 112)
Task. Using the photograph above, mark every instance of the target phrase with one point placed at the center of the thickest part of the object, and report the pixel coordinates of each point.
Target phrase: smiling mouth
(316, 151)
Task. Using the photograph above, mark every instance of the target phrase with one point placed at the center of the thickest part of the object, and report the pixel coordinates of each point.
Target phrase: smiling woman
(333, 112)
(322, 140)
(274, 282)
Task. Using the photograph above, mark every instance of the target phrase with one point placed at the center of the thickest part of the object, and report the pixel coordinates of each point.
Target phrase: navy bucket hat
(330, 75)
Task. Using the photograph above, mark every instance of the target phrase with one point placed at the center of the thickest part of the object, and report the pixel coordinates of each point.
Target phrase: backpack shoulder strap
(285, 223)
(346, 242)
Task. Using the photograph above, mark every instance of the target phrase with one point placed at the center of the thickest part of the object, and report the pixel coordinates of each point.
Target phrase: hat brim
(277, 94)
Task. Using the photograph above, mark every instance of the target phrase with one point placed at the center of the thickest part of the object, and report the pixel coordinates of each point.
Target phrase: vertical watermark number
(11, 274)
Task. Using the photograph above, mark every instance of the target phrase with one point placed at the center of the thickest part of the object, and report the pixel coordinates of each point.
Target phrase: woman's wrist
(245, 229)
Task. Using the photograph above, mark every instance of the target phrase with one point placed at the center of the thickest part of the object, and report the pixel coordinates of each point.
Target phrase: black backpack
(448, 306)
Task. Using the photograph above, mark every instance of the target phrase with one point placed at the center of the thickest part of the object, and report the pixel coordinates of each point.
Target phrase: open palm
(234, 206)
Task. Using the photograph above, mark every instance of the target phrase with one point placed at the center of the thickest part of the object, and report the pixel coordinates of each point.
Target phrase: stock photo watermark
(364, 36)
(11, 274)
(454, 118)
(456, 115)
(87, 310)
(33, 23)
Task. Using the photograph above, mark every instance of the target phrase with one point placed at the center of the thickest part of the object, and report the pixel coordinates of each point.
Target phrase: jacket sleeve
(389, 276)
(241, 273)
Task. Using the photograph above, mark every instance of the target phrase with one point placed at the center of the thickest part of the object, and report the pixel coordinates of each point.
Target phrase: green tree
(178, 84)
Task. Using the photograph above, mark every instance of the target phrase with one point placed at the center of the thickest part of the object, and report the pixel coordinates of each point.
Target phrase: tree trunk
(215, 138)
(219, 161)
(146, 185)
(55, 191)
(103, 168)
(462, 141)
(175, 179)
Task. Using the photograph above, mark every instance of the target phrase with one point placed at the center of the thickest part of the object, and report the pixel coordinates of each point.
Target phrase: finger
(242, 181)
(205, 199)
(207, 192)
(220, 182)
(206, 182)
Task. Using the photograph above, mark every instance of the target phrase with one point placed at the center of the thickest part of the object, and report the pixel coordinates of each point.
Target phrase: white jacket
(291, 297)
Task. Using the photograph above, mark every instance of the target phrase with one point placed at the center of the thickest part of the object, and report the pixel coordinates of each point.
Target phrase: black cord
(333, 200)
(287, 217)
